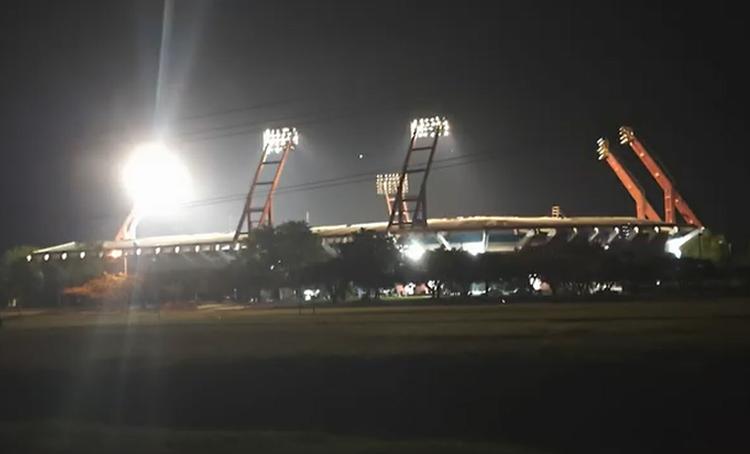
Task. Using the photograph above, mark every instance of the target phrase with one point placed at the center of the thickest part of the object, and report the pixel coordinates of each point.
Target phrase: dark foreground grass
(88, 438)
(616, 377)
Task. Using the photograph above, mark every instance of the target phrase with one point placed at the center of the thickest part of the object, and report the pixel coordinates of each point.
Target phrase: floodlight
(275, 140)
(602, 148)
(387, 183)
(430, 127)
(626, 135)
(156, 179)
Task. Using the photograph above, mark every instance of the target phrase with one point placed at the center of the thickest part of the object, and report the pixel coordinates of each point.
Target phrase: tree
(278, 257)
(369, 261)
(449, 268)
(20, 280)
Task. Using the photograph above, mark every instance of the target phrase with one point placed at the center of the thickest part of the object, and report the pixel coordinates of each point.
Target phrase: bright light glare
(275, 140)
(674, 245)
(428, 127)
(475, 248)
(414, 251)
(156, 179)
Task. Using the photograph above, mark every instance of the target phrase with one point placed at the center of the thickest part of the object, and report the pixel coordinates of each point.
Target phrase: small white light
(157, 251)
(236, 246)
(197, 248)
(138, 251)
(657, 229)
(217, 247)
(636, 229)
(29, 257)
(46, 257)
(176, 249)
(64, 255)
(360, 156)
(82, 255)
(115, 253)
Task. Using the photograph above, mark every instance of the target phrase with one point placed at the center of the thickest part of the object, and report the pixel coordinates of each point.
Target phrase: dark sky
(528, 87)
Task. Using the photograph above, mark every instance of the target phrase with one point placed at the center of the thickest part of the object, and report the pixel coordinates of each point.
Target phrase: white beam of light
(156, 180)
(674, 245)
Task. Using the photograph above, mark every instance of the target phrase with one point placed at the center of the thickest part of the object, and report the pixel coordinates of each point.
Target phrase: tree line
(286, 260)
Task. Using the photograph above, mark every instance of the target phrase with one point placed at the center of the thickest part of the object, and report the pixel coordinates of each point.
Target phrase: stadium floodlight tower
(672, 199)
(411, 211)
(157, 182)
(277, 144)
(386, 184)
(643, 209)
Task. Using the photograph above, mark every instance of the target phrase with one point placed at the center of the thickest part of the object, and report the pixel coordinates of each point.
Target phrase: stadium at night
(157, 181)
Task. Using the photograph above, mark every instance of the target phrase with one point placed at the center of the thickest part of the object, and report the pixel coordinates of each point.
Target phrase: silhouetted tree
(452, 268)
(369, 261)
(277, 257)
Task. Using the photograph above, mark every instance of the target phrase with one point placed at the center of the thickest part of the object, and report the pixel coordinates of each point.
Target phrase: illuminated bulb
(29, 257)
(156, 179)
(46, 257)
(157, 251)
(176, 249)
(138, 251)
(115, 253)
(197, 248)
(64, 255)
(82, 255)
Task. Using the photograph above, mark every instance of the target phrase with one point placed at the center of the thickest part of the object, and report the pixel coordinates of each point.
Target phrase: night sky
(528, 87)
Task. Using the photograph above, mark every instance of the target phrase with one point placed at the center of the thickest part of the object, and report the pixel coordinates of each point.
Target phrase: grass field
(608, 377)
